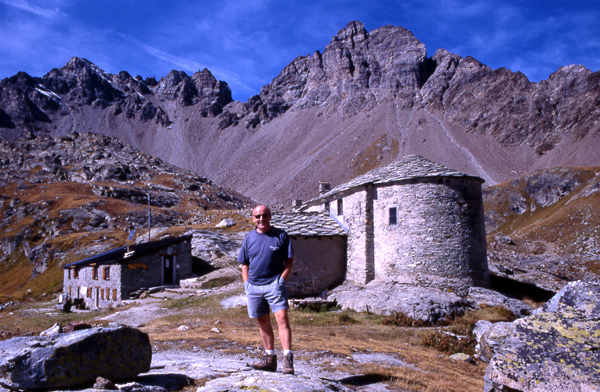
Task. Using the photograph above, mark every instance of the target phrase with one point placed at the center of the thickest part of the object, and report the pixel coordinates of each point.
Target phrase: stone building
(319, 244)
(108, 278)
(413, 221)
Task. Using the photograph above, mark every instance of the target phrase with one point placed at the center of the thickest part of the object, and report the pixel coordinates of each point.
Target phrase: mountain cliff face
(63, 199)
(369, 98)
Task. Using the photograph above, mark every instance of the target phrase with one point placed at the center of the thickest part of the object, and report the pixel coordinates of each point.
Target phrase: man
(267, 258)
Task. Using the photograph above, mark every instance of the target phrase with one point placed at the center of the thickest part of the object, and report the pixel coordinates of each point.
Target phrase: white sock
(270, 352)
(286, 352)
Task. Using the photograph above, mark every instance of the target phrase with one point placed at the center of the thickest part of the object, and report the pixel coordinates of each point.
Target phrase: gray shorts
(260, 298)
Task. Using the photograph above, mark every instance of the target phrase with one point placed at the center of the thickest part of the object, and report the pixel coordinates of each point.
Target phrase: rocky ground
(226, 364)
(559, 339)
(193, 352)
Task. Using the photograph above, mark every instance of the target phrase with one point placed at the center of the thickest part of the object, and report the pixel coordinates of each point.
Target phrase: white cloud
(34, 9)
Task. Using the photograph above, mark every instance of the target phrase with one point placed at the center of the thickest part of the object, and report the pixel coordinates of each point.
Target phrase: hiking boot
(288, 364)
(268, 363)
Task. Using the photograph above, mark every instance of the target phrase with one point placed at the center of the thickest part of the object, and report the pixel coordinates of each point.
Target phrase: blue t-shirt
(265, 254)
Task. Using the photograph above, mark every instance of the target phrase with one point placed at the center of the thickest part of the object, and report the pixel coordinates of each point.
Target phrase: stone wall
(357, 217)
(126, 277)
(149, 271)
(100, 292)
(439, 237)
(319, 264)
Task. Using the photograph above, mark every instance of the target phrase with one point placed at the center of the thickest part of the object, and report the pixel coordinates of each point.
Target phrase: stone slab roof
(307, 223)
(118, 254)
(410, 166)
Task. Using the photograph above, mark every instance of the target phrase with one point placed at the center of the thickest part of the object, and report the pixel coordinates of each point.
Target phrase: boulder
(555, 349)
(461, 357)
(53, 330)
(224, 223)
(386, 298)
(486, 297)
(66, 360)
(267, 381)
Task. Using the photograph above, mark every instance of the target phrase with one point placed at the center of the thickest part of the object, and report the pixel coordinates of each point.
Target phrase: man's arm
(287, 269)
(244, 272)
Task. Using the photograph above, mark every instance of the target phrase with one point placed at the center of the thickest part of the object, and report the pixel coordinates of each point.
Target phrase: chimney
(324, 187)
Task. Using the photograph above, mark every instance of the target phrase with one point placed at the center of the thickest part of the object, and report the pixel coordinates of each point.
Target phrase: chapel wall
(439, 238)
(319, 264)
(358, 219)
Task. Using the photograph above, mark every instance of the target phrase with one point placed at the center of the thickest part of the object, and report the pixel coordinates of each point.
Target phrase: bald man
(267, 259)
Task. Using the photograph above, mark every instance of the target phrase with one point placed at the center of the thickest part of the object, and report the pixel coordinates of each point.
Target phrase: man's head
(261, 216)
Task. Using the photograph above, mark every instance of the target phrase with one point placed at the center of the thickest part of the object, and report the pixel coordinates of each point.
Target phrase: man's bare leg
(269, 362)
(285, 335)
(285, 331)
(266, 331)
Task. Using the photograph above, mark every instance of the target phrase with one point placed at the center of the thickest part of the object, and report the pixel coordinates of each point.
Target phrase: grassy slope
(554, 213)
(66, 244)
(46, 222)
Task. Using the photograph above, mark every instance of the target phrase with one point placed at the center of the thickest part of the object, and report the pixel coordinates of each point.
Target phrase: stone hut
(108, 278)
(414, 221)
(320, 251)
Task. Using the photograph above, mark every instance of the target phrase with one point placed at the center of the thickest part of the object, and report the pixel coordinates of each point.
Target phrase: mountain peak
(77, 64)
(353, 33)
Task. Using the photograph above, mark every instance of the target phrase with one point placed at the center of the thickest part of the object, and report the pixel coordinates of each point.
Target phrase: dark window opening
(96, 273)
(340, 207)
(393, 216)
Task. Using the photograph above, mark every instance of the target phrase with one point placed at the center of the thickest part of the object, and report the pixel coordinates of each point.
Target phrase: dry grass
(340, 334)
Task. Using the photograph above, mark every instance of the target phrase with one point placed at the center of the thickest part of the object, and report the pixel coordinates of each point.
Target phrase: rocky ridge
(375, 93)
(67, 197)
(543, 227)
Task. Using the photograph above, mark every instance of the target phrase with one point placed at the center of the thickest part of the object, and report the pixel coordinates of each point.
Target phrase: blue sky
(248, 42)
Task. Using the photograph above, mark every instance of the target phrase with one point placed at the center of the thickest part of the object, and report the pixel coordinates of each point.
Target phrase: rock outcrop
(66, 360)
(426, 304)
(555, 349)
(265, 381)
(87, 183)
(375, 94)
(543, 228)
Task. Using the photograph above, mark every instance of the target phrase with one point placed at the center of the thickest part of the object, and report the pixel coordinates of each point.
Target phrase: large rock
(556, 349)
(270, 382)
(385, 298)
(421, 303)
(66, 360)
(489, 298)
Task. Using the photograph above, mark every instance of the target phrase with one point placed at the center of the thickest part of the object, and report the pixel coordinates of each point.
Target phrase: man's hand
(287, 270)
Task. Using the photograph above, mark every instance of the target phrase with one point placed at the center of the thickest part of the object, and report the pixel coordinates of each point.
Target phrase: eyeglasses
(262, 216)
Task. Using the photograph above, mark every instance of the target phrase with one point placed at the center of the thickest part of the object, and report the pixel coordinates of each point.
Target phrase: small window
(76, 273)
(89, 292)
(114, 294)
(68, 273)
(96, 272)
(106, 273)
(69, 292)
(327, 206)
(393, 216)
(102, 294)
(340, 207)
